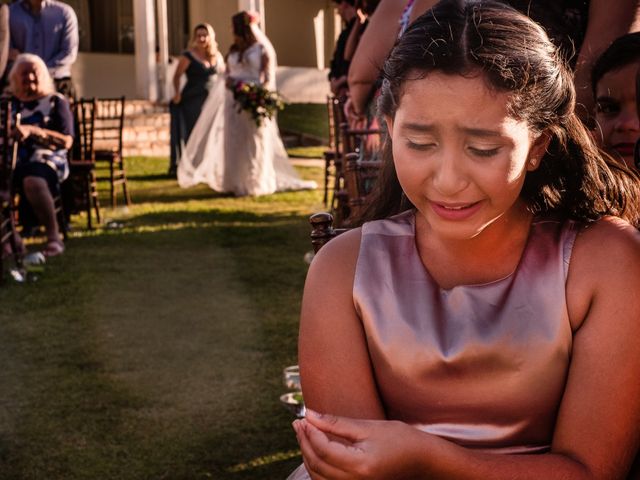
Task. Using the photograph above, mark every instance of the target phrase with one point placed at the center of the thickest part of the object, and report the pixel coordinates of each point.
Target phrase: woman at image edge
(483, 325)
(226, 150)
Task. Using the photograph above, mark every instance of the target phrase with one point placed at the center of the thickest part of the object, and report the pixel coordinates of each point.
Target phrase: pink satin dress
(483, 366)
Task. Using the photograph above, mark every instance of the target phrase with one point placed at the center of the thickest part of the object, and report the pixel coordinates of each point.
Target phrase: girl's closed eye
(420, 145)
(484, 152)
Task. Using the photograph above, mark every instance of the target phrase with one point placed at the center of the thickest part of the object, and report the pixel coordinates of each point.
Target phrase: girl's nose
(449, 177)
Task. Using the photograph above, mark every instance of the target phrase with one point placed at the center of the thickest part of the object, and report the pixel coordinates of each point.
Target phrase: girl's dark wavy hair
(457, 37)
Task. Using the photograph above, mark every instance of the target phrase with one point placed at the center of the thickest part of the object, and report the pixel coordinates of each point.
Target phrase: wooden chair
(332, 164)
(82, 179)
(109, 126)
(322, 229)
(360, 178)
(349, 183)
(8, 155)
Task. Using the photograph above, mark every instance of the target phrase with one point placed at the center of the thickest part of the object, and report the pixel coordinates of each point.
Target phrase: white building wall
(293, 27)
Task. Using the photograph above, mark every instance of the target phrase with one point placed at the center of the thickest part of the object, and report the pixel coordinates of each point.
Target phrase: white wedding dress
(227, 151)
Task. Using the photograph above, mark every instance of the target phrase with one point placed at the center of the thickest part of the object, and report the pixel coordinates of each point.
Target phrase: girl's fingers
(339, 453)
(316, 465)
(348, 428)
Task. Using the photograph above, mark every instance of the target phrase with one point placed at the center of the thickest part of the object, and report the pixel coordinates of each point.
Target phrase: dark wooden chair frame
(332, 156)
(109, 127)
(349, 195)
(82, 165)
(8, 224)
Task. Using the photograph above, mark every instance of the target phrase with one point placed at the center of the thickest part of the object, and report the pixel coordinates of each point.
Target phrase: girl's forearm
(439, 458)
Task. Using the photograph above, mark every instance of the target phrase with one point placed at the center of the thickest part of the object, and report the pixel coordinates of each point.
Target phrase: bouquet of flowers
(257, 100)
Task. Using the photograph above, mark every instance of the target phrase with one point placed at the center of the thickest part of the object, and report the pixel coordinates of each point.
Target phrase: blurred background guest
(581, 29)
(364, 9)
(199, 63)
(4, 38)
(339, 66)
(613, 86)
(49, 29)
(45, 134)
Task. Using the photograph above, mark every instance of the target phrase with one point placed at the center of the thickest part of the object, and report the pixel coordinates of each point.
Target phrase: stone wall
(146, 129)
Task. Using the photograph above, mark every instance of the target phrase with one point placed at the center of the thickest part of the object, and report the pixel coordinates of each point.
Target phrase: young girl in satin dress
(483, 323)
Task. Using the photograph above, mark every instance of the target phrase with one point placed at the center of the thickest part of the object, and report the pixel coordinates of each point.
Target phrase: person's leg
(36, 190)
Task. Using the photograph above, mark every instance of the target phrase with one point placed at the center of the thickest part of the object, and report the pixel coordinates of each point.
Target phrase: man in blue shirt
(49, 29)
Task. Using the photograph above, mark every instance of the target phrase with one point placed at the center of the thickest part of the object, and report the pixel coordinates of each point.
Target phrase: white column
(318, 29)
(146, 68)
(163, 45)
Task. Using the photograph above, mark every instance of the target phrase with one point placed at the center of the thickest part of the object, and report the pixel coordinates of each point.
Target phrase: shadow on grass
(154, 349)
(152, 177)
(197, 220)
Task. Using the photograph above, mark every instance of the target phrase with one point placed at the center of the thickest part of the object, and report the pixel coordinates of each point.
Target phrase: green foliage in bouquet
(259, 102)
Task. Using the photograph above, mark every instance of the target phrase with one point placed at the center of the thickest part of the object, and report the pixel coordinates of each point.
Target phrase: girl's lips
(624, 149)
(457, 211)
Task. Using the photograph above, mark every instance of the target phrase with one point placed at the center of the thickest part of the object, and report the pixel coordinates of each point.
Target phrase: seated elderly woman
(45, 134)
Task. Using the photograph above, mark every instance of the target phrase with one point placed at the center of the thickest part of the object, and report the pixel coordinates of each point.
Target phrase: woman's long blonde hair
(211, 50)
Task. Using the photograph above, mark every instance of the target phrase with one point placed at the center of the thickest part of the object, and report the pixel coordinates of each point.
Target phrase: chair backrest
(360, 178)
(359, 169)
(335, 109)
(357, 140)
(330, 122)
(109, 123)
(85, 118)
(322, 229)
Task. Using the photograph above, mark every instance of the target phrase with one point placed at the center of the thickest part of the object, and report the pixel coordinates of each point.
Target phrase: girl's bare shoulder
(605, 264)
(340, 254)
(608, 240)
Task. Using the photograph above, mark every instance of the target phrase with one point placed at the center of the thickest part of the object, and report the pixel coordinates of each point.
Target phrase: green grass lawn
(306, 118)
(153, 348)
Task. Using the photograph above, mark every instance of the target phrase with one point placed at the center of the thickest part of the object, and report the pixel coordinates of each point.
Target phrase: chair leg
(89, 195)
(326, 182)
(62, 222)
(58, 204)
(123, 178)
(112, 184)
(17, 251)
(127, 197)
(93, 199)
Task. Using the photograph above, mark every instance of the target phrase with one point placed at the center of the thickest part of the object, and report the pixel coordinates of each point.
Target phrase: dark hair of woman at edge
(575, 179)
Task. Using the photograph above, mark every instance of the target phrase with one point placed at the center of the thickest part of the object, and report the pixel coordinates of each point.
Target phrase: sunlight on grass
(307, 152)
(265, 460)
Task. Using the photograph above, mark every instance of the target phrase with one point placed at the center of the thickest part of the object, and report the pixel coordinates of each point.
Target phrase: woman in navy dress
(199, 63)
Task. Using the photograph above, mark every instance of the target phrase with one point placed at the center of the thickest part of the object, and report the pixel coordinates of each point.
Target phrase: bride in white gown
(226, 150)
